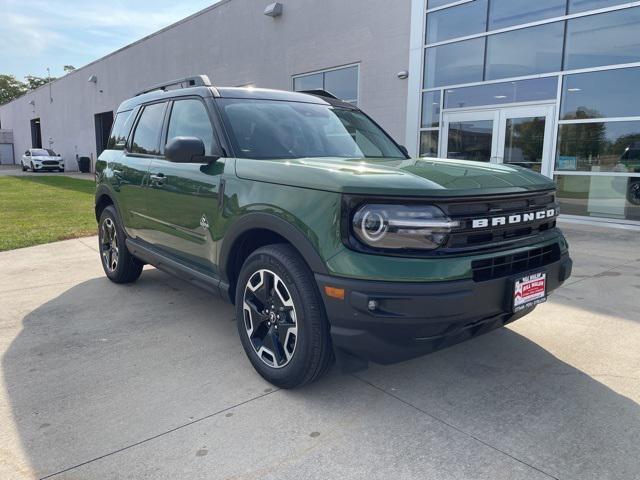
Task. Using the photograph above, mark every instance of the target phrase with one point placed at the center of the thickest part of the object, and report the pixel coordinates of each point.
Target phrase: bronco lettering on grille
(513, 219)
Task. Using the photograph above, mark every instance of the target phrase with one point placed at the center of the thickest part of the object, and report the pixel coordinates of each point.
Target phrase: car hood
(399, 177)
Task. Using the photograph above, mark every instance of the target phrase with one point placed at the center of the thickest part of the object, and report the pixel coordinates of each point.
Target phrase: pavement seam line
(457, 429)
(179, 427)
(595, 275)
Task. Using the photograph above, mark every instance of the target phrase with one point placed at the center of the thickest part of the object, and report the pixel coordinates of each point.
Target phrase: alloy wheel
(109, 244)
(270, 318)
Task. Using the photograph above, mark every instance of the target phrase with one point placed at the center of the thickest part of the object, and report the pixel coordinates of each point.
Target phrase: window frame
(167, 120)
(355, 102)
(141, 108)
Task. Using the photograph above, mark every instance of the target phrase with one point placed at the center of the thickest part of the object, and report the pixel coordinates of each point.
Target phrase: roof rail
(197, 81)
(319, 93)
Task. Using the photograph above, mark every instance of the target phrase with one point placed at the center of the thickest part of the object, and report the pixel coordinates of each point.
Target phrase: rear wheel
(117, 262)
(281, 318)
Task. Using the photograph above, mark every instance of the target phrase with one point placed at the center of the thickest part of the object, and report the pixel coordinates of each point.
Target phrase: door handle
(157, 178)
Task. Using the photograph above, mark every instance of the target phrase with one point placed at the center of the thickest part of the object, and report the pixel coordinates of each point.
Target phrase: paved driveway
(16, 171)
(150, 381)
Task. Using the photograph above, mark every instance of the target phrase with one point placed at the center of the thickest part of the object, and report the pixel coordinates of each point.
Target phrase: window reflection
(458, 21)
(505, 13)
(500, 93)
(576, 6)
(605, 39)
(431, 109)
(611, 93)
(525, 52)
(524, 142)
(470, 140)
(599, 196)
(429, 143)
(341, 82)
(460, 62)
(599, 147)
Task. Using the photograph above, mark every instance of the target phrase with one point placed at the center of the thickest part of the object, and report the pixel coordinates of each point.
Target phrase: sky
(36, 34)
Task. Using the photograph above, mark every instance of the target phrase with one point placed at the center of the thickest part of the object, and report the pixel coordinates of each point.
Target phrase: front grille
(467, 238)
(50, 162)
(506, 265)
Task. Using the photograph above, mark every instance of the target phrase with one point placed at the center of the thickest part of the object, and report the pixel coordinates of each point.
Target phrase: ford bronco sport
(330, 241)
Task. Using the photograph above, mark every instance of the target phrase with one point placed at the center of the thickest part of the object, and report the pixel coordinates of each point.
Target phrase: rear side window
(189, 118)
(120, 131)
(146, 138)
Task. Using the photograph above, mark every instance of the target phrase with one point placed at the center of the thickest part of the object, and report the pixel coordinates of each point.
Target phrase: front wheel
(281, 319)
(117, 262)
(24, 169)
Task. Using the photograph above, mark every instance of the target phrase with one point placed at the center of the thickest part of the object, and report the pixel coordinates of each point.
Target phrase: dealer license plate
(529, 291)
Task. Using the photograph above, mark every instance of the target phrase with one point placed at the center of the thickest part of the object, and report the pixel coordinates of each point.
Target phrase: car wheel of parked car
(281, 319)
(118, 263)
(24, 169)
(33, 169)
(633, 194)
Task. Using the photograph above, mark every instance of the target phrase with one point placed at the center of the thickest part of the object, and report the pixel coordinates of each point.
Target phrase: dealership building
(550, 85)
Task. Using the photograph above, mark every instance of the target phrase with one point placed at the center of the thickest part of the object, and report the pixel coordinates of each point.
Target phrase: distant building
(545, 84)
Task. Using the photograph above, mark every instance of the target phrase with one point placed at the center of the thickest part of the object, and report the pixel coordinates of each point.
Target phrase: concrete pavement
(150, 381)
(16, 171)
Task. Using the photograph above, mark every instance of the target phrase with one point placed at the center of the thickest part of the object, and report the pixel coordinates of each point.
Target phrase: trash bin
(84, 164)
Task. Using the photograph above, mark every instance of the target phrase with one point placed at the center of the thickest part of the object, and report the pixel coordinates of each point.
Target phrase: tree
(34, 82)
(10, 88)
(68, 68)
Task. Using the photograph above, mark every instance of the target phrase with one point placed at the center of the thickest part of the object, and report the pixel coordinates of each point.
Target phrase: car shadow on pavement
(102, 367)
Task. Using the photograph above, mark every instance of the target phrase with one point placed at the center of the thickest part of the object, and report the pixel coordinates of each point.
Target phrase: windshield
(51, 152)
(265, 129)
(39, 153)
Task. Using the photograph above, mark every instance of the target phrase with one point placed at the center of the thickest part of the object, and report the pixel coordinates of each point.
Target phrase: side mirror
(187, 150)
(404, 150)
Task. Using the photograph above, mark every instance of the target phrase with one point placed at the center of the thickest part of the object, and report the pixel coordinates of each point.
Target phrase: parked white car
(41, 159)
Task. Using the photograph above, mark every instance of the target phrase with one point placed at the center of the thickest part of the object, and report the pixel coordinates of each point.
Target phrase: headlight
(402, 227)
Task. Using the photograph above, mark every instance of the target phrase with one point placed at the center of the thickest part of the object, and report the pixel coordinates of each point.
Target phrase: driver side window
(189, 118)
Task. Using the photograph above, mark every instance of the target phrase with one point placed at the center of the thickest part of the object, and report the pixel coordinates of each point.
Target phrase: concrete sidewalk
(150, 381)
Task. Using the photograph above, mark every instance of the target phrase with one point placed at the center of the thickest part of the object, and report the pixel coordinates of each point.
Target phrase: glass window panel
(458, 21)
(471, 140)
(599, 196)
(189, 118)
(611, 93)
(438, 3)
(429, 143)
(524, 142)
(505, 13)
(525, 52)
(343, 83)
(431, 109)
(599, 147)
(308, 82)
(146, 138)
(459, 62)
(584, 5)
(605, 39)
(500, 93)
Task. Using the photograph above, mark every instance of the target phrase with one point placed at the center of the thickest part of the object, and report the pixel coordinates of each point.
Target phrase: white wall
(235, 44)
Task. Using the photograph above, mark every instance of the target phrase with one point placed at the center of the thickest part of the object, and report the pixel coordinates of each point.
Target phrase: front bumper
(56, 166)
(412, 319)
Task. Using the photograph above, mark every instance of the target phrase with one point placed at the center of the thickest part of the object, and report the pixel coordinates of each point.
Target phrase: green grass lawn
(35, 210)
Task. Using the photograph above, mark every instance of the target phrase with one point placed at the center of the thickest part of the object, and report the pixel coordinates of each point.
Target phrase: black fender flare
(276, 224)
(102, 191)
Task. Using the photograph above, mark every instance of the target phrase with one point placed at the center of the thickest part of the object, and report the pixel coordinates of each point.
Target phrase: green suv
(331, 242)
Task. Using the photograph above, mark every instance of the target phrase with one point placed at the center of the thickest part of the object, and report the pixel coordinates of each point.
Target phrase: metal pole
(49, 81)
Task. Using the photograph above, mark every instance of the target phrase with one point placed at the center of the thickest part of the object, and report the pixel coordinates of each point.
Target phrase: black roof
(233, 92)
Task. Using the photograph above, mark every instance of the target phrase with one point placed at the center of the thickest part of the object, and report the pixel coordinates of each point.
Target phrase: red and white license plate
(529, 291)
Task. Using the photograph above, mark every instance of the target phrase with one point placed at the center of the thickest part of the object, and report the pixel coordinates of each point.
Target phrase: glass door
(525, 135)
(515, 135)
(471, 135)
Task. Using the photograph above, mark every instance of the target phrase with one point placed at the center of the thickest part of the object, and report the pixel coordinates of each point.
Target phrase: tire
(24, 169)
(117, 262)
(306, 352)
(633, 192)
(33, 169)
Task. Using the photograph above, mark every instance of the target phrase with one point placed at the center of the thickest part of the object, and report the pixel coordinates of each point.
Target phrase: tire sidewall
(299, 363)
